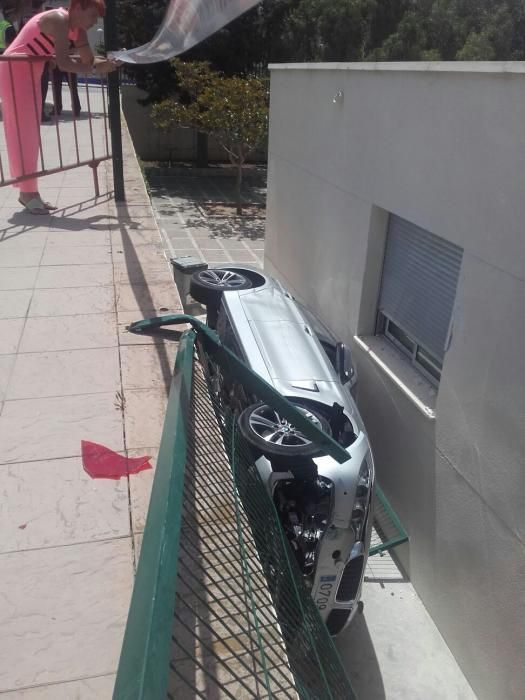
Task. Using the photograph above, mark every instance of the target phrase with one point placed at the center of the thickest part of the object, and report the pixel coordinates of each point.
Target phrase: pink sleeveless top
(33, 42)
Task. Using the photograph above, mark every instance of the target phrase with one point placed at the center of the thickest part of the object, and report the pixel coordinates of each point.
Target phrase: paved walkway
(69, 284)
(194, 221)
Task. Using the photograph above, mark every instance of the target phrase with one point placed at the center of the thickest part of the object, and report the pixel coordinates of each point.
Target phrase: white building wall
(442, 145)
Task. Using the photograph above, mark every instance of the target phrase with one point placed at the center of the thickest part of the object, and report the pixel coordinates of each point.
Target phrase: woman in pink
(46, 34)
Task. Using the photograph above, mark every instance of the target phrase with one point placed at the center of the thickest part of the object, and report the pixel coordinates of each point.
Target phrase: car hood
(287, 345)
(289, 351)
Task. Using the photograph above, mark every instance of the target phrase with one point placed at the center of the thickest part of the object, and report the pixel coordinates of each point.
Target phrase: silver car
(324, 507)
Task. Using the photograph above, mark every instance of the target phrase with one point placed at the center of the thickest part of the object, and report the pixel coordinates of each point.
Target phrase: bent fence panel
(219, 608)
(66, 139)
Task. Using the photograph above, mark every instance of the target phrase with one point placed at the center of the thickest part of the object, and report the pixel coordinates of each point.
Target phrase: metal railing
(85, 146)
(388, 529)
(219, 607)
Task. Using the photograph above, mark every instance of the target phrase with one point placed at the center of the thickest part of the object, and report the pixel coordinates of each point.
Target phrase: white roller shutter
(418, 288)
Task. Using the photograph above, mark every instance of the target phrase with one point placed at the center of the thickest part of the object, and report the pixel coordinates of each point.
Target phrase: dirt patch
(227, 209)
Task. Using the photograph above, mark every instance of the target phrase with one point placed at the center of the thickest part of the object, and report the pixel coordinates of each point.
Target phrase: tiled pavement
(69, 284)
(186, 208)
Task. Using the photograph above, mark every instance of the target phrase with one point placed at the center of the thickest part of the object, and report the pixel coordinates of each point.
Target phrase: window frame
(383, 325)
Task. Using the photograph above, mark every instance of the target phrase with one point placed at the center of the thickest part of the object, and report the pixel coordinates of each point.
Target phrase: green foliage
(278, 31)
(477, 47)
(457, 30)
(232, 109)
(338, 30)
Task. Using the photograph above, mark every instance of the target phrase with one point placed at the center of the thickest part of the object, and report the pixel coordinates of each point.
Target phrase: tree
(232, 109)
(452, 30)
(337, 30)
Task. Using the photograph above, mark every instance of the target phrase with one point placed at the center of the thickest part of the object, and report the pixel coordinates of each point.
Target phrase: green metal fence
(219, 607)
(388, 530)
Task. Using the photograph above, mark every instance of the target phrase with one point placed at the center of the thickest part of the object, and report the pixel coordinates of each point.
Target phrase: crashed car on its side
(325, 508)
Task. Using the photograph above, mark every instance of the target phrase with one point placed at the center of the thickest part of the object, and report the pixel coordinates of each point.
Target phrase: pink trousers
(21, 95)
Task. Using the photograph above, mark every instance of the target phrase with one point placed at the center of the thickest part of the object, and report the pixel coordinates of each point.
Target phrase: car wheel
(275, 437)
(207, 286)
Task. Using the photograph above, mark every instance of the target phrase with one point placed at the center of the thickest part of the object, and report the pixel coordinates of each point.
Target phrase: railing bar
(147, 637)
(104, 85)
(24, 58)
(57, 127)
(89, 118)
(51, 171)
(1, 170)
(75, 131)
(38, 114)
(17, 122)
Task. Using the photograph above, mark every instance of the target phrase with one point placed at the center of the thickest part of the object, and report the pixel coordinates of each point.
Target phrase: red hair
(84, 4)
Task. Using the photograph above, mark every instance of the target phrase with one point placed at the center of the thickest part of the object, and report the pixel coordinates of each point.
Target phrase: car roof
(285, 339)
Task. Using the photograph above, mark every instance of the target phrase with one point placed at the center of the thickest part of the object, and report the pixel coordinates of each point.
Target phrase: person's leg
(44, 83)
(57, 89)
(75, 100)
(20, 90)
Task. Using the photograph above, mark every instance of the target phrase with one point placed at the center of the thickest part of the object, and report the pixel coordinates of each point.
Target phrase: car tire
(207, 286)
(262, 426)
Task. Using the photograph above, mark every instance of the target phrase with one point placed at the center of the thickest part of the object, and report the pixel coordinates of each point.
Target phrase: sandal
(37, 206)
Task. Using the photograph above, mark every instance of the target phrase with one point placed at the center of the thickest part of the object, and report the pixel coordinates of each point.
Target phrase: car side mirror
(343, 364)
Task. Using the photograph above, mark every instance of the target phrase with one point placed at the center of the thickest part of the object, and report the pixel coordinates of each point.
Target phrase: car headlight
(362, 499)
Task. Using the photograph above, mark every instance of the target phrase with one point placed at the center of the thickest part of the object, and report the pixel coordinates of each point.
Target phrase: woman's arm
(56, 25)
(84, 49)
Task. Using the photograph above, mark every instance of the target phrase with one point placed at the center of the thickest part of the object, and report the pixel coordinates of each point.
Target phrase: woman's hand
(105, 65)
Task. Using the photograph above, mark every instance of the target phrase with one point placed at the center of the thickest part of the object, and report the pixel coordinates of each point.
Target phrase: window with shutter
(418, 291)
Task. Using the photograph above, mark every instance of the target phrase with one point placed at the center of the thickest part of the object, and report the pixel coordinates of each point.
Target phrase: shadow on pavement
(234, 227)
(60, 219)
(359, 659)
(143, 296)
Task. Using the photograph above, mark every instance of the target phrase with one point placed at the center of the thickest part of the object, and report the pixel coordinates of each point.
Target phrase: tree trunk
(202, 150)
(238, 184)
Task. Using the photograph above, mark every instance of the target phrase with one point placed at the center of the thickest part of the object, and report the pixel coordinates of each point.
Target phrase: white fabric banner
(186, 23)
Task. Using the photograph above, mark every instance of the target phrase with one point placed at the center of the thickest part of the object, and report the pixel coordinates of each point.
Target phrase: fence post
(110, 37)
